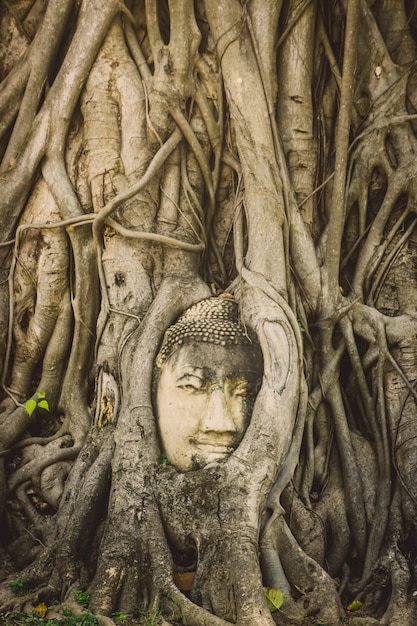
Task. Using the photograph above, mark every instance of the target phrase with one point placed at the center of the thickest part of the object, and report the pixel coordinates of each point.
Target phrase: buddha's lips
(213, 447)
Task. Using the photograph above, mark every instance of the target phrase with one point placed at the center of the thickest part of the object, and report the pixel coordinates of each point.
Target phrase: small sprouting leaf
(30, 406)
(354, 606)
(19, 586)
(164, 459)
(301, 327)
(41, 394)
(274, 597)
(43, 404)
(82, 598)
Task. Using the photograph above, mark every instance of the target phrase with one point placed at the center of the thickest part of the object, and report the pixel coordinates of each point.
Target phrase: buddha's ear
(277, 353)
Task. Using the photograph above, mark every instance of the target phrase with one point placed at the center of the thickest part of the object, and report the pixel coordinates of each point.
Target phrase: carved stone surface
(209, 371)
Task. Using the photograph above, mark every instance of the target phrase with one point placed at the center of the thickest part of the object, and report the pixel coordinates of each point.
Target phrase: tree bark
(154, 154)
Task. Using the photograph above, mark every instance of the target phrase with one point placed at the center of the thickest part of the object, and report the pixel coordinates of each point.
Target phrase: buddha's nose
(218, 416)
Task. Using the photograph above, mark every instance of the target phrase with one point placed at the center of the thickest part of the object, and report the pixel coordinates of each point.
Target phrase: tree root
(318, 592)
(402, 610)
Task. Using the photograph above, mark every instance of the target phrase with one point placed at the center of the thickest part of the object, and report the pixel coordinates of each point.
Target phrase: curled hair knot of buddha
(213, 321)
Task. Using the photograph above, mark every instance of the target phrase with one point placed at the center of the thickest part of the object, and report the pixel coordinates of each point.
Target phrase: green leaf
(30, 406)
(43, 404)
(301, 327)
(274, 597)
(19, 586)
(354, 606)
(82, 598)
(41, 394)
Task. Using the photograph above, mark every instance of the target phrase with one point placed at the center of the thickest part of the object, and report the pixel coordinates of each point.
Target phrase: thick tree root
(317, 594)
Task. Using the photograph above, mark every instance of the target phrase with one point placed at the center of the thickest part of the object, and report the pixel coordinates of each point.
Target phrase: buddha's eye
(245, 388)
(190, 388)
(240, 389)
(191, 384)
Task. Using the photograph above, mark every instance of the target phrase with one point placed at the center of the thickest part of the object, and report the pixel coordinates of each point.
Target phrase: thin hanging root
(46, 43)
(336, 224)
(371, 246)
(156, 237)
(154, 167)
(373, 284)
(354, 495)
(42, 53)
(43, 284)
(138, 58)
(193, 202)
(189, 135)
(140, 236)
(158, 160)
(384, 456)
(152, 23)
(170, 189)
(389, 261)
(125, 11)
(238, 235)
(377, 420)
(215, 132)
(49, 130)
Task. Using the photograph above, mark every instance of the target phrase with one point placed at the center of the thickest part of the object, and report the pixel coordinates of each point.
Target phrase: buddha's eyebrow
(204, 373)
(185, 371)
(186, 375)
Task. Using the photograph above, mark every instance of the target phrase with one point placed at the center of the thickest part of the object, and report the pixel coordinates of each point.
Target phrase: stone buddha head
(208, 372)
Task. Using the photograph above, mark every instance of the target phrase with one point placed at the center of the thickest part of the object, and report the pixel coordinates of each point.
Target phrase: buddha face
(204, 399)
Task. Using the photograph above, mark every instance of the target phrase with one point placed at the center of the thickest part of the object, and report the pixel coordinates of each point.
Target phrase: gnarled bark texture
(155, 153)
